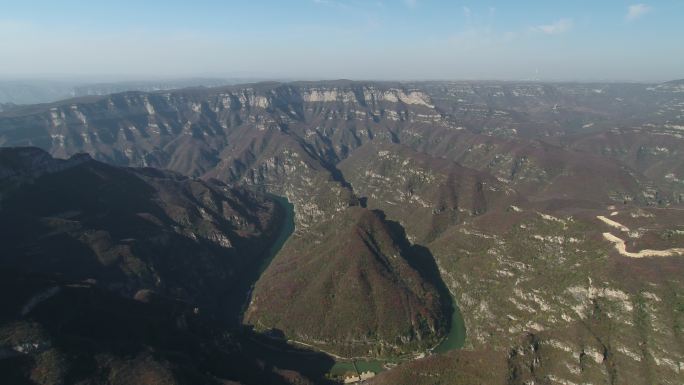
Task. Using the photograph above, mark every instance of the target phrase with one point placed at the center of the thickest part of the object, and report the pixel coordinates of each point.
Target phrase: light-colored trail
(613, 224)
(621, 247)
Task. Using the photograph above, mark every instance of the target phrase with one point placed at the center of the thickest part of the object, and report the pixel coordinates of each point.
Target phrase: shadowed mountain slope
(131, 229)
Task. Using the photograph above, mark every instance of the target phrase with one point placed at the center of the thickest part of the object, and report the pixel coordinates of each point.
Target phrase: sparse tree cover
(307, 231)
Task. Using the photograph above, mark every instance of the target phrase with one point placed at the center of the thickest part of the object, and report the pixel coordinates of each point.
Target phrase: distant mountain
(676, 86)
(34, 91)
(150, 86)
(6, 106)
(250, 133)
(47, 91)
(675, 82)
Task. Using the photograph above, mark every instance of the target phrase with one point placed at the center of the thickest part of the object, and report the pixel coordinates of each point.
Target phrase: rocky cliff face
(287, 136)
(291, 136)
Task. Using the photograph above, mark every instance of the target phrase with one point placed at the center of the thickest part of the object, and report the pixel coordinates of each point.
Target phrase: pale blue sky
(316, 39)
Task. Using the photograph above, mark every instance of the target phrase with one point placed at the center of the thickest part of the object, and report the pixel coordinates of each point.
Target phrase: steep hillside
(131, 229)
(113, 275)
(55, 332)
(556, 302)
(382, 296)
(425, 194)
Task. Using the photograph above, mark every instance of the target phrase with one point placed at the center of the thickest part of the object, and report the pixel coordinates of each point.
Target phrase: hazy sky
(379, 39)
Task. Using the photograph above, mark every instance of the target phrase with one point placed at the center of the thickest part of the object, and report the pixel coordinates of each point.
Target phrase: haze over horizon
(332, 39)
(329, 192)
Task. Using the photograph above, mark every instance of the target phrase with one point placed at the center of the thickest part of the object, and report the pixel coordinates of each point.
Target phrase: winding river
(453, 340)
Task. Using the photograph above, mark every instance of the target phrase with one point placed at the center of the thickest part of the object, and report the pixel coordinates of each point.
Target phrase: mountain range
(416, 207)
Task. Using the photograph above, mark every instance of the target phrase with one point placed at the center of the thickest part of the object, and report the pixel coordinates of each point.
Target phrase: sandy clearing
(621, 247)
(612, 223)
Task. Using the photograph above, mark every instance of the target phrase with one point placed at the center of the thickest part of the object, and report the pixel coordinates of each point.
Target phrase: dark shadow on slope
(81, 222)
(335, 173)
(421, 259)
(237, 299)
(87, 324)
(274, 352)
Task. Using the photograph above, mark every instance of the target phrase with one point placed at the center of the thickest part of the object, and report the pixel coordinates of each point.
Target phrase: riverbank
(285, 229)
(455, 339)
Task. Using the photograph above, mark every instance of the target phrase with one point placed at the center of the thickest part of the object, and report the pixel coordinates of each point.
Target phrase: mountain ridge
(503, 184)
